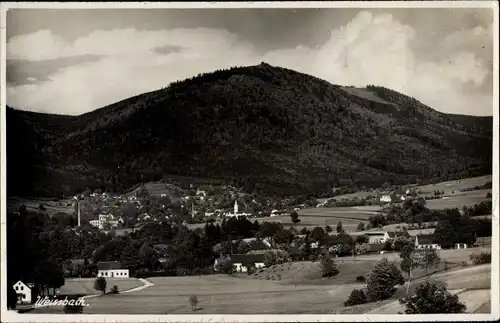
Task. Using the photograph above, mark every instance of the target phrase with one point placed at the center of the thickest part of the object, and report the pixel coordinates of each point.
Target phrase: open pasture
(350, 196)
(85, 286)
(52, 207)
(220, 294)
(454, 186)
(458, 200)
(310, 273)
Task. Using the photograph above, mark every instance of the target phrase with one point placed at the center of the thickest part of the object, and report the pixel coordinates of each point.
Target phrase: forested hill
(262, 127)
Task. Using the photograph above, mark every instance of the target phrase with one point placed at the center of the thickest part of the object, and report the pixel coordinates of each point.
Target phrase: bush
(481, 258)
(225, 266)
(100, 284)
(193, 300)
(114, 290)
(328, 266)
(432, 298)
(275, 257)
(362, 249)
(382, 279)
(360, 279)
(356, 297)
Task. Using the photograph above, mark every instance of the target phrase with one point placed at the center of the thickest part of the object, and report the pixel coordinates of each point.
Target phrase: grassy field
(85, 286)
(222, 294)
(456, 186)
(52, 207)
(458, 200)
(309, 218)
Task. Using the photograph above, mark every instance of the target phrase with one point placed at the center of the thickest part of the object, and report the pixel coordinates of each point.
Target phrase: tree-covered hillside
(262, 127)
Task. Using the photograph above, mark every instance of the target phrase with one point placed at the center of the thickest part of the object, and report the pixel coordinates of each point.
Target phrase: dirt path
(146, 284)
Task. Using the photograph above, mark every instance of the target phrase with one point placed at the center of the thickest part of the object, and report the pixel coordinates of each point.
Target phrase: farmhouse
(241, 263)
(386, 199)
(426, 242)
(25, 292)
(377, 236)
(111, 269)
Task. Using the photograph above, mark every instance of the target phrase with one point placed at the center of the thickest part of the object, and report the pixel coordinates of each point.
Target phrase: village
(279, 233)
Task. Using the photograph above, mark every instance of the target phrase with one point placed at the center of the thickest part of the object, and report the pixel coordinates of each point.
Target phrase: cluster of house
(396, 196)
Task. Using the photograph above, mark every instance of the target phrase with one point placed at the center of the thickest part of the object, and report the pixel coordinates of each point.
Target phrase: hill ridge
(265, 128)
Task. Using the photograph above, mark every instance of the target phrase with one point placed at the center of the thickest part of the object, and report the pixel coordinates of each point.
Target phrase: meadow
(85, 286)
(223, 294)
(52, 206)
(458, 200)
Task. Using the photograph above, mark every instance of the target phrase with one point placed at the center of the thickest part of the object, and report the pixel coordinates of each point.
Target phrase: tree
(362, 249)
(382, 279)
(100, 284)
(430, 259)
(361, 227)
(328, 229)
(317, 234)
(356, 297)
(445, 234)
(11, 297)
(294, 216)
(432, 298)
(339, 227)
(193, 300)
(225, 266)
(275, 257)
(328, 266)
(409, 261)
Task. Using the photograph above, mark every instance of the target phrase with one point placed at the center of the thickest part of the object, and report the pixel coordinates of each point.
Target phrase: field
(456, 186)
(156, 189)
(222, 294)
(52, 206)
(85, 286)
(458, 200)
(309, 218)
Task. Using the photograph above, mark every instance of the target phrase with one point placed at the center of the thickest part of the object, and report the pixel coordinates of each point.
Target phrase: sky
(76, 61)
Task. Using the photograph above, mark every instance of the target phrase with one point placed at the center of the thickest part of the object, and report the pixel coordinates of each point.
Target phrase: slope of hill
(262, 127)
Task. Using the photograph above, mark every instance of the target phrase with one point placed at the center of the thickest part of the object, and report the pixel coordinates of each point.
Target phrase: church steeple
(235, 207)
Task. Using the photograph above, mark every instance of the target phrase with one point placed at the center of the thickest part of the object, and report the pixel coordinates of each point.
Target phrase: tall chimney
(79, 211)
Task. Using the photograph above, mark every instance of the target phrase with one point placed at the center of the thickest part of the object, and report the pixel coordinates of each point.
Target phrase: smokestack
(79, 212)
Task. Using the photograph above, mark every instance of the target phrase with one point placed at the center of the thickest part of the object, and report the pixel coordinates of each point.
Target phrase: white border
(9, 316)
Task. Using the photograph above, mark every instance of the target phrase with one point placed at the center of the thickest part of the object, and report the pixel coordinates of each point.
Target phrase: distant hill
(262, 127)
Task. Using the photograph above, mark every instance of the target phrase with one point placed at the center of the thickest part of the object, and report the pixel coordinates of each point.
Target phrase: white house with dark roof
(111, 269)
(25, 292)
(426, 242)
(376, 236)
(241, 263)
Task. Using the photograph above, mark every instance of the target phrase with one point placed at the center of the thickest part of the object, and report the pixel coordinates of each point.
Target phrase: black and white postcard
(249, 161)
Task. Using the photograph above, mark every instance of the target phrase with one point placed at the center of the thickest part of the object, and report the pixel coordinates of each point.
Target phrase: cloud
(368, 50)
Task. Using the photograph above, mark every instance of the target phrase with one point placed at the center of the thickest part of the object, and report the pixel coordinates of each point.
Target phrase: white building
(25, 293)
(386, 199)
(241, 263)
(235, 210)
(104, 220)
(377, 236)
(426, 242)
(111, 269)
(461, 246)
